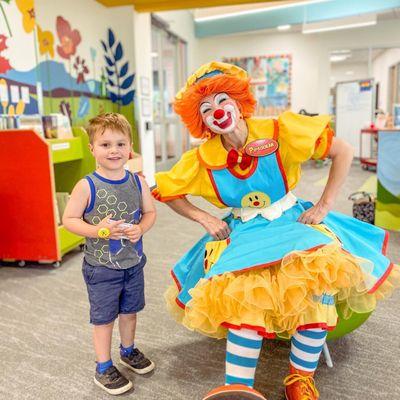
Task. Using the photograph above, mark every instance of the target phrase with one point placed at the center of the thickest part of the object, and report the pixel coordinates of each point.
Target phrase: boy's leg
(131, 302)
(104, 287)
(127, 329)
(131, 356)
(102, 335)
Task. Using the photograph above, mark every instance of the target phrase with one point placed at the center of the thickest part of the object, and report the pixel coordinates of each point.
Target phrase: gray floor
(45, 341)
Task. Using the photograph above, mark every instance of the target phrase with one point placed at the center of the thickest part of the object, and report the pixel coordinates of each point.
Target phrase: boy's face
(111, 149)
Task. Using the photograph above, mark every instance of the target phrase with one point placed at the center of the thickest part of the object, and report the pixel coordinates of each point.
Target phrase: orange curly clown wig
(188, 106)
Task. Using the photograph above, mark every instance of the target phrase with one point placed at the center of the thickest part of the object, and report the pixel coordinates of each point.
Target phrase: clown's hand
(315, 214)
(217, 228)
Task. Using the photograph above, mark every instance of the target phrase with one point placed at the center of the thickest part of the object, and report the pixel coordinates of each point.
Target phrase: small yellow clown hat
(211, 69)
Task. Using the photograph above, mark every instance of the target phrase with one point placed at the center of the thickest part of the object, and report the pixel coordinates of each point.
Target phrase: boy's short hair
(114, 121)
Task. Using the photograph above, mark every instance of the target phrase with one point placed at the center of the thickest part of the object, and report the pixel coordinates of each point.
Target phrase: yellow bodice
(300, 138)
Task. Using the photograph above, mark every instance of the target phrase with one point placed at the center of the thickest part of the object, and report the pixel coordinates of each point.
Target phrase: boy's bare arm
(135, 232)
(72, 218)
(148, 208)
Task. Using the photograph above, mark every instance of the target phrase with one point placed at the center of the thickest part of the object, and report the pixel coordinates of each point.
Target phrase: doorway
(169, 61)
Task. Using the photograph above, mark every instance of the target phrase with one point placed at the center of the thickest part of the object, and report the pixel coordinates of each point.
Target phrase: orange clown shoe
(234, 392)
(300, 385)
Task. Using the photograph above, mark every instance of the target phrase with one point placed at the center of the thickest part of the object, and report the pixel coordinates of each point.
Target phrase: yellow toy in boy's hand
(103, 233)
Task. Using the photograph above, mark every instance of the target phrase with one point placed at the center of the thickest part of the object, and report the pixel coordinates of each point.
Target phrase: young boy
(113, 208)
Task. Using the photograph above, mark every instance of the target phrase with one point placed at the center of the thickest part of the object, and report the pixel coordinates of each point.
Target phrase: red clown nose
(218, 114)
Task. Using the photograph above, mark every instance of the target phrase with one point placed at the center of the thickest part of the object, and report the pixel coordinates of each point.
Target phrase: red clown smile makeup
(219, 113)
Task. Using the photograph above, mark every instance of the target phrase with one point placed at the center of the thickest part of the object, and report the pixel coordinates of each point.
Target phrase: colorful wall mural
(59, 74)
(270, 81)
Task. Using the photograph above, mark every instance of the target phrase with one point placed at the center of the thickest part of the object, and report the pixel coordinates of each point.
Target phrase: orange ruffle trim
(281, 298)
(157, 195)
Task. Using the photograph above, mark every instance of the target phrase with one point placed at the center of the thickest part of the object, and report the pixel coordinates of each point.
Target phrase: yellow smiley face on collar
(255, 200)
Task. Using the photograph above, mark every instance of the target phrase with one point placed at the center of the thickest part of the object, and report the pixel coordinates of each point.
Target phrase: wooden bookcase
(32, 169)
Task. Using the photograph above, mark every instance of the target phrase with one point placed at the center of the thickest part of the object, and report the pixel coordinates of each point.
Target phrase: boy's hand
(113, 226)
(133, 233)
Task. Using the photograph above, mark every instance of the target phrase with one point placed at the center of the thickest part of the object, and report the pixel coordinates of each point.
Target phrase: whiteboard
(354, 111)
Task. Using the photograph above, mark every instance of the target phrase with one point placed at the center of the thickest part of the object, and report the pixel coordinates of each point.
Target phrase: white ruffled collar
(271, 212)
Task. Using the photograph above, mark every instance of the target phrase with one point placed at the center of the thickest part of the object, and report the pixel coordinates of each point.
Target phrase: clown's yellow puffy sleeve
(182, 179)
(302, 138)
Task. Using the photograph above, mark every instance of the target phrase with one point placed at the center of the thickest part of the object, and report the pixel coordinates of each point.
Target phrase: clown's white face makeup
(220, 113)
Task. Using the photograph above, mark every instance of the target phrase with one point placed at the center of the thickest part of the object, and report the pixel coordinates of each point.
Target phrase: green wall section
(385, 196)
(387, 213)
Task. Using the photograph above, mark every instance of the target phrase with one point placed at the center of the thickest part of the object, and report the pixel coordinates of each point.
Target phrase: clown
(276, 266)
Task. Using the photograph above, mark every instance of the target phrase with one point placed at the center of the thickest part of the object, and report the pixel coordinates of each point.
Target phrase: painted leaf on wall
(119, 79)
(126, 99)
(124, 70)
(127, 82)
(113, 97)
(84, 107)
(109, 61)
(111, 38)
(118, 52)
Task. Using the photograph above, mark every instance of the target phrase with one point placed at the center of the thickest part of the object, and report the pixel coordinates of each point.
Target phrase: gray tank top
(123, 200)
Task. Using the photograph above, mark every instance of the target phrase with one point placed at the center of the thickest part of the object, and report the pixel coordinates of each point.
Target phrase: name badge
(261, 147)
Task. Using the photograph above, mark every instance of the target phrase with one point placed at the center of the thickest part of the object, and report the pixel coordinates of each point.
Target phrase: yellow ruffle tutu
(283, 297)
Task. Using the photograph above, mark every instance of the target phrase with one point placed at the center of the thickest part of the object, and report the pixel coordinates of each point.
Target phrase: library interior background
(64, 62)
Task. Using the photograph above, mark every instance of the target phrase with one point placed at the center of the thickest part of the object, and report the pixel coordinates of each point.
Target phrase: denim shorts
(114, 291)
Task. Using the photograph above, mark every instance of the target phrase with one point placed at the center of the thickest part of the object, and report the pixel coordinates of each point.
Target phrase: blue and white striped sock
(306, 349)
(242, 353)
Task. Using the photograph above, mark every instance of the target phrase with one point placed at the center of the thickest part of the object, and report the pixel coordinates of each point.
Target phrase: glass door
(169, 71)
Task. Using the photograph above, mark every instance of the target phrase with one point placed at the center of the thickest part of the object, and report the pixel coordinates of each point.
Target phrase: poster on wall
(270, 81)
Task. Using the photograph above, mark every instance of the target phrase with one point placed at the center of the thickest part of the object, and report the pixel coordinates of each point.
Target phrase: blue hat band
(209, 75)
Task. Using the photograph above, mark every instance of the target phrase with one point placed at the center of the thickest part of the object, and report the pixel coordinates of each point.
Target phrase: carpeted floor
(45, 342)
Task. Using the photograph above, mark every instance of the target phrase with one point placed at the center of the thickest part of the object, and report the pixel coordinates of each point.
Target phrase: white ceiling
(215, 11)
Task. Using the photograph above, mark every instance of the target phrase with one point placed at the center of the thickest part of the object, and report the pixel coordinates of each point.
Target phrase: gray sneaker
(112, 381)
(137, 362)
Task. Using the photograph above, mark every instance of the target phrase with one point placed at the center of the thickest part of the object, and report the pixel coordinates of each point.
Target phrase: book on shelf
(31, 122)
(57, 126)
(7, 121)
